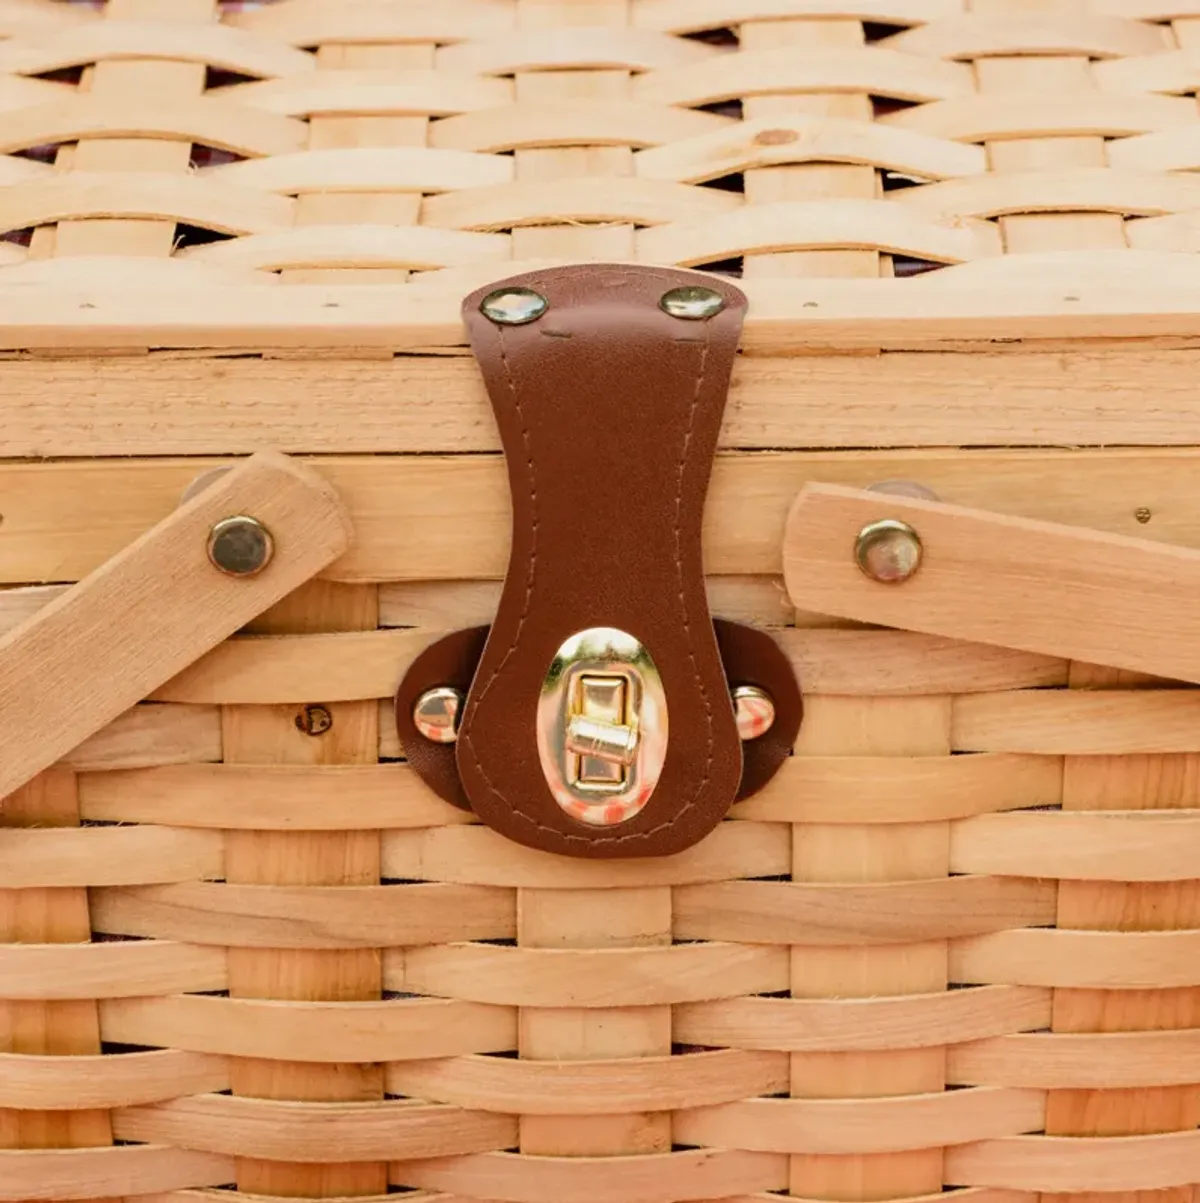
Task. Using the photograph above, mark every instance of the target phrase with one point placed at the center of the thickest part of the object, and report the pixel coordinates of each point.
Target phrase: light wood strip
(364, 169)
(591, 1087)
(1068, 1164)
(1175, 232)
(1091, 595)
(1068, 190)
(1170, 72)
(999, 117)
(1119, 846)
(648, 202)
(354, 92)
(1083, 959)
(975, 36)
(107, 856)
(911, 789)
(85, 1174)
(689, 16)
(816, 224)
(19, 18)
(781, 71)
(1027, 303)
(267, 797)
(574, 47)
(214, 45)
(327, 1032)
(424, 518)
(153, 608)
(351, 246)
(312, 22)
(1083, 723)
(121, 970)
(526, 125)
(825, 1127)
(190, 199)
(77, 1082)
(166, 405)
(838, 915)
(1080, 1061)
(801, 138)
(589, 977)
(210, 121)
(682, 1177)
(315, 1132)
(827, 1025)
(149, 736)
(478, 855)
(1176, 149)
(277, 916)
(360, 665)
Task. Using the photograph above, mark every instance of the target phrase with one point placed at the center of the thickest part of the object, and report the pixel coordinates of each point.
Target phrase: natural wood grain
(98, 649)
(442, 518)
(1090, 595)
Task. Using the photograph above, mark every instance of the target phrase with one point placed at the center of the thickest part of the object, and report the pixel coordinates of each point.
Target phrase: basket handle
(234, 549)
(1020, 583)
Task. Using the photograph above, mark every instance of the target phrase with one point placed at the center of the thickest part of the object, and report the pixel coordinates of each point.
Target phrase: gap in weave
(186, 236)
(731, 268)
(713, 37)
(876, 31)
(212, 156)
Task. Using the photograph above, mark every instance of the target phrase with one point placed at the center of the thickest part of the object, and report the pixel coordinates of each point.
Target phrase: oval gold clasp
(602, 726)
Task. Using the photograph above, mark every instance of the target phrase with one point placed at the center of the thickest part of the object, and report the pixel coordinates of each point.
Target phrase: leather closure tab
(599, 722)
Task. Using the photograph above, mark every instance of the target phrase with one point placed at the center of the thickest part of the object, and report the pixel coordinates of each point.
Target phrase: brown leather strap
(609, 410)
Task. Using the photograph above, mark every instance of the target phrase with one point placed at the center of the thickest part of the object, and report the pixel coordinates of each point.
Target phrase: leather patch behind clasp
(599, 719)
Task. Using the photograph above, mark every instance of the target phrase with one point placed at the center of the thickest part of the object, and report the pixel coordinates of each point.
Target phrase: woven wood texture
(955, 945)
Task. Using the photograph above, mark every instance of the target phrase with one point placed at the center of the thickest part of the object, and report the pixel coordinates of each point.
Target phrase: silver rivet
(513, 306)
(240, 546)
(755, 711)
(692, 303)
(888, 551)
(437, 713)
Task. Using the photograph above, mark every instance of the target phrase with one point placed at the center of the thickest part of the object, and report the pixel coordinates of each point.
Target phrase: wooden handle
(1015, 582)
(114, 638)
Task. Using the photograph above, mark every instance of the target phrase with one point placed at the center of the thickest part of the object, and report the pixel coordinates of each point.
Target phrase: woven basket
(245, 952)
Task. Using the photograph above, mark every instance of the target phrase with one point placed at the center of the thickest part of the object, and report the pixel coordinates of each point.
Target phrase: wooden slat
(430, 518)
(1090, 595)
(102, 647)
(325, 1032)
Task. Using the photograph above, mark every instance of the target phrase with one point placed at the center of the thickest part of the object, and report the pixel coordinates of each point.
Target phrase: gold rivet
(692, 303)
(437, 712)
(240, 546)
(754, 709)
(888, 551)
(513, 306)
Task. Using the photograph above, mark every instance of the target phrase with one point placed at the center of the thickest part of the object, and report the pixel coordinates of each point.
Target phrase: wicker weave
(240, 955)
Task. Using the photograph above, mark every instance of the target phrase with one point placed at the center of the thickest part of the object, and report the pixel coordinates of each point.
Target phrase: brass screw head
(437, 713)
(513, 306)
(692, 303)
(754, 710)
(240, 546)
(888, 551)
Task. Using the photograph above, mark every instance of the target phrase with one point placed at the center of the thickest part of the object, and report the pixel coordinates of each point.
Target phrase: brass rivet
(437, 712)
(240, 546)
(513, 306)
(888, 551)
(754, 709)
(692, 303)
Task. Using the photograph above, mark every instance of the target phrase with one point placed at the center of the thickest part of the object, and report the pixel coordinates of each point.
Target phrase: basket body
(243, 948)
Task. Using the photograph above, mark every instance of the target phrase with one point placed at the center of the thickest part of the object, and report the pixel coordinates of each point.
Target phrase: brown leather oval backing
(609, 410)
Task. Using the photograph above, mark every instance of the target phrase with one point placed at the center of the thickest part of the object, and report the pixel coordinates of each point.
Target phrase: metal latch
(602, 726)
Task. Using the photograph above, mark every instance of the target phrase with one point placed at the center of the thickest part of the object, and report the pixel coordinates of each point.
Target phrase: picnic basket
(950, 948)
